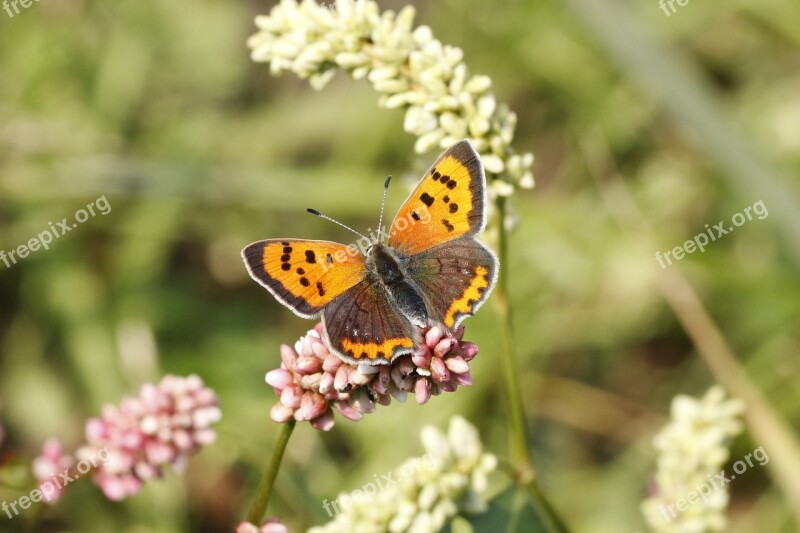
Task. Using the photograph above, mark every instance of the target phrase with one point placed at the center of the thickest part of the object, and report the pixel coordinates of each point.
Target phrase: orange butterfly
(375, 301)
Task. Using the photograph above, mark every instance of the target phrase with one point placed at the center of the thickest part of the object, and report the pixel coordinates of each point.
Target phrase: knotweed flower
(444, 103)
(273, 525)
(312, 381)
(692, 449)
(48, 466)
(165, 424)
(426, 492)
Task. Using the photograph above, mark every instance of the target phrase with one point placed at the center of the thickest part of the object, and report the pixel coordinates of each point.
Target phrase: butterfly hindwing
(304, 275)
(447, 204)
(456, 278)
(364, 326)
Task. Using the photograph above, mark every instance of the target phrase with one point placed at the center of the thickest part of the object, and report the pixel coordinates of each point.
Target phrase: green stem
(519, 435)
(545, 509)
(523, 471)
(256, 514)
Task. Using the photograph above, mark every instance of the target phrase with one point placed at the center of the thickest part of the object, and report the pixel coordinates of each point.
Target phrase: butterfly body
(390, 269)
(376, 300)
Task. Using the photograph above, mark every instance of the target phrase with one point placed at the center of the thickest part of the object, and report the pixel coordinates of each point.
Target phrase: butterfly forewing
(447, 204)
(304, 275)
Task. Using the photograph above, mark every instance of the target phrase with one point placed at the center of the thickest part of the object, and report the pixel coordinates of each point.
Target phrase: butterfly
(377, 296)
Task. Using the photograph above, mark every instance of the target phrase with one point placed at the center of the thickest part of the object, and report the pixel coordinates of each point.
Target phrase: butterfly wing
(303, 275)
(363, 325)
(455, 277)
(447, 204)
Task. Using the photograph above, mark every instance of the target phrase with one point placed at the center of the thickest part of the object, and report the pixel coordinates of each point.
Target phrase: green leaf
(512, 511)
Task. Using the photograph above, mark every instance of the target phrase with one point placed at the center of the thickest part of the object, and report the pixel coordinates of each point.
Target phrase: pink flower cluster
(312, 380)
(273, 525)
(165, 424)
(47, 467)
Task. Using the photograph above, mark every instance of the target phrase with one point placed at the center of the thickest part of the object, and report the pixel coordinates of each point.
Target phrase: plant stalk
(519, 434)
(523, 471)
(256, 514)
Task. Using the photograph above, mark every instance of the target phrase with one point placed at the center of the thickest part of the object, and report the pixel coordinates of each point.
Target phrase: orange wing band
(471, 295)
(374, 351)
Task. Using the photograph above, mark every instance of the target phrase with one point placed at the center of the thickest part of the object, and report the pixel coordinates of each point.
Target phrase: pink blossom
(47, 467)
(165, 424)
(312, 381)
(273, 525)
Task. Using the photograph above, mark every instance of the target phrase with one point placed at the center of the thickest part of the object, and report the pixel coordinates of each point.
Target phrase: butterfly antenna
(383, 202)
(326, 217)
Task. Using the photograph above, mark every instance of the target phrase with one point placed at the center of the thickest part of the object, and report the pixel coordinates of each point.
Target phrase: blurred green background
(199, 151)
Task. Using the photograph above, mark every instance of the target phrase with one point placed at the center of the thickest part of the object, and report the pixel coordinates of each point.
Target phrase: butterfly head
(378, 254)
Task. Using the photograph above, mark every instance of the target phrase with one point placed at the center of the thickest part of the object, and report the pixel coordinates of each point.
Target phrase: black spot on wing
(286, 257)
(426, 199)
(310, 256)
(448, 225)
(304, 282)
